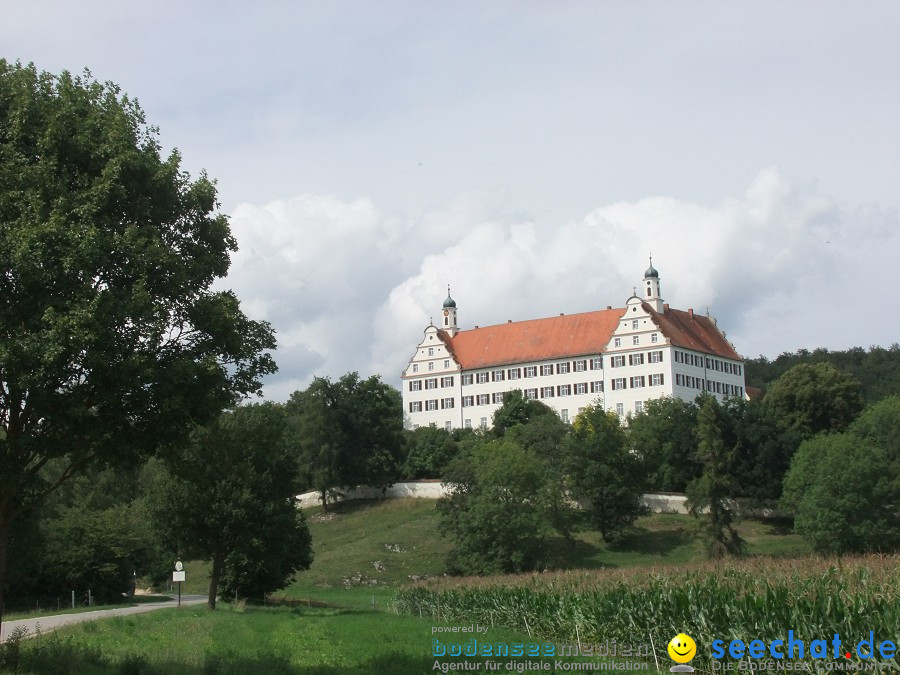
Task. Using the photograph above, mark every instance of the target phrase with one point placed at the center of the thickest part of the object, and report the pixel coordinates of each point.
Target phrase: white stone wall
(659, 502)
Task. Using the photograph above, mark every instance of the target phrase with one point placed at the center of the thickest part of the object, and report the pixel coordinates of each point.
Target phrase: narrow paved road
(49, 623)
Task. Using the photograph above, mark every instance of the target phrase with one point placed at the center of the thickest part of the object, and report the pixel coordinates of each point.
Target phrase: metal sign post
(178, 576)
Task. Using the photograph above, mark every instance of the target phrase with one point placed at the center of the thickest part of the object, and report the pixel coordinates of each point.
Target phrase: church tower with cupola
(448, 316)
(651, 293)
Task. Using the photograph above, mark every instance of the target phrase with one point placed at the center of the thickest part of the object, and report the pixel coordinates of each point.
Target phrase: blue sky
(530, 154)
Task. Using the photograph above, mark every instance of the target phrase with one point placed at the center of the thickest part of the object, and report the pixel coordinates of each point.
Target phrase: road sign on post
(178, 576)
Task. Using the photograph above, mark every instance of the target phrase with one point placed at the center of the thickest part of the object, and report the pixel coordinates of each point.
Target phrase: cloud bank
(348, 286)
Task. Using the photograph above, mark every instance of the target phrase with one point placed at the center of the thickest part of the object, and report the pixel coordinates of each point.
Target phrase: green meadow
(341, 616)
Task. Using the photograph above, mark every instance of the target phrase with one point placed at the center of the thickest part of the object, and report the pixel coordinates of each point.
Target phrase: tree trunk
(214, 580)
(5, 530)
(5, 527)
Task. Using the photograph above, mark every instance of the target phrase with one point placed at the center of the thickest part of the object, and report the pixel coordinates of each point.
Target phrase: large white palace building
(614, 358)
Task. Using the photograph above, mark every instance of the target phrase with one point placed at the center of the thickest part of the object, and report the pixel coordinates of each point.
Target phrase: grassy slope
(347, 637)
(352, 537)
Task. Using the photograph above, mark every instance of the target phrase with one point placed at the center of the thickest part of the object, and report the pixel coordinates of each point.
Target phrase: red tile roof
(575, 335)
(533, 340)
(692, 331)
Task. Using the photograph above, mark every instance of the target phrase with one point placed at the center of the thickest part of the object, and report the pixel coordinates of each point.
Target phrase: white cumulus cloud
(350, 287)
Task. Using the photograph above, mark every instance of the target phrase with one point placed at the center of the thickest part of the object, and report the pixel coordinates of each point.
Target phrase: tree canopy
(812, 398)
(346, 433)
(844, 494)
(112, 341)
(877, 369)
(604, 472)
(228, 496)
(497, 512)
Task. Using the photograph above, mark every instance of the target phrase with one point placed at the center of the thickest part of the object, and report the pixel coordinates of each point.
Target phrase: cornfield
(745, 600)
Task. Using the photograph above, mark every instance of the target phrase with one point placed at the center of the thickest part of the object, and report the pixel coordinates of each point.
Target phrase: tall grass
(756, 599)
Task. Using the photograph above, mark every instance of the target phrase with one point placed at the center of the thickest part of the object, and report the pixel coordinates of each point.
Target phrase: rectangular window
(448, 426)
(431, 404)
(638, 407)
(447, 403)
(581, 366)
(562, 368)
(484, 399)
(467, 424)
(515, 373)
(431, 365)
(498, 376)
(636, 340)
(415, 367)
(415, 385)
(739, 371)
(708, 363)
(679, 357)
(431, 351)
(467, 379)
(635, 359)
(618, 383)
(597, 387)
(530, 371)
(679, 379)
(483, 377)
(497, 397)
(431, 383)
(531, 394)
(446, 363)
(581, 388)
(656, 357)
(617, 342)
(547, 392)
(635, 324)
(415, 406)
(637, 382)
(620, 409)
(617, 361)
(657, 380)
(546, 370)
(564, 414)
(654, 337)
(597, 363)
(564, 390)
(447, 381)
(468, 401)
(483, 423)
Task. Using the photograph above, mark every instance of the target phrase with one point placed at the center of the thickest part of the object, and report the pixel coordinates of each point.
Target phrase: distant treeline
(877, 369)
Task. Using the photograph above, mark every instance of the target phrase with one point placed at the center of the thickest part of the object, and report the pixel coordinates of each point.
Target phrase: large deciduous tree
(112, 343)
(497, 512)
(812, 398)
(347, 433)
(229, 497)
(844, 493)
(663, 437)
(604, 472)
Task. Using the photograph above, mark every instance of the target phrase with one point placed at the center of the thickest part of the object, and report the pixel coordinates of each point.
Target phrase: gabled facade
(616, 358)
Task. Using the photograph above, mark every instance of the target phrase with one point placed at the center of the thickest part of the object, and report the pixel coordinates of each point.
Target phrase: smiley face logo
(682, 648)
